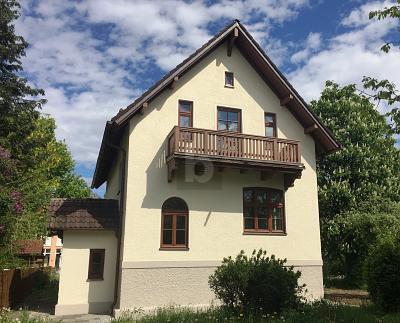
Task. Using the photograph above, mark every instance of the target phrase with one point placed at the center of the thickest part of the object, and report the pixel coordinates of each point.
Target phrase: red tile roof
(29, 247)
(83, 214)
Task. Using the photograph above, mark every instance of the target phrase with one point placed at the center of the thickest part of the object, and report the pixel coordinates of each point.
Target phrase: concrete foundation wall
(148, 285)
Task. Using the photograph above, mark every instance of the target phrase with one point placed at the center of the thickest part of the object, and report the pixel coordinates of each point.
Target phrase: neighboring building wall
(76, 293)
(215, 207)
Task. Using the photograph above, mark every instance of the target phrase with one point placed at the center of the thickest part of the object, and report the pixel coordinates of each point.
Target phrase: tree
(19, 108)
(34, 165)
(384, 90)
(368, 165)
(387, 12)
(26, 191)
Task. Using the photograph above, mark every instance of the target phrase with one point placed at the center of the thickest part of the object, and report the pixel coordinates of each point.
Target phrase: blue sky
(93, 57)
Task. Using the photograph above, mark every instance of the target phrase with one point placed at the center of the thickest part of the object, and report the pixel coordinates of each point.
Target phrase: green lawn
(320, 312)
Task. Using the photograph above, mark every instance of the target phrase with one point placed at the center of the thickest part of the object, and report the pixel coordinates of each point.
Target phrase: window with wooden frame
(263, 210)
(96, 264)
(174, 224)
(229, 79)
(185, 117)
(270, 124)
(229, 119)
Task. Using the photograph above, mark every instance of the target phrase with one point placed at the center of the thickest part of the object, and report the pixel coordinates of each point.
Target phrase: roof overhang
(237, 34)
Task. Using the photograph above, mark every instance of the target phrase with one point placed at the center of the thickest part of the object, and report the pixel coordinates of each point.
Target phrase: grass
(21, 316)
(316, 313)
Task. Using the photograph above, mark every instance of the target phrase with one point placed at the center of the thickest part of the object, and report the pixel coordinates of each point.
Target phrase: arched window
(174, 224)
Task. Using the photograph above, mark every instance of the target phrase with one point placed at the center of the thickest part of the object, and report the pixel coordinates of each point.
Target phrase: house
(218, 156)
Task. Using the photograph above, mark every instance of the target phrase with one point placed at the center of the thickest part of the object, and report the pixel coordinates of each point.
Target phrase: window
(263, 210)
(174, 224)
(270, 124)
(96, 263)
(185, 114)
(229, 80)
(229, 119)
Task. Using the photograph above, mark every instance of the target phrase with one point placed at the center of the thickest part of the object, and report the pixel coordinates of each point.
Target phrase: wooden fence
(16, 284)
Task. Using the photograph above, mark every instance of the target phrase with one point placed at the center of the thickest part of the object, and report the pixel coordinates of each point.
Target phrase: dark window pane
(276, 219)
(229, 78)
(249, 212)
(167, 236)
(233, 116)
(233, 126)
(167, 221)
(185, 107)
(96, 269)
(184, 121)
(222, 125)
(269, 118)
(262, 224)
(249, 223)
(248, 195)
(277, 224)
(261, 197)
(222, 115)
(97, 258)
(181, 222)
(180, 237)
(174, 204)
(276, 197)
(261, 212)
(269, 131)
(96, 263)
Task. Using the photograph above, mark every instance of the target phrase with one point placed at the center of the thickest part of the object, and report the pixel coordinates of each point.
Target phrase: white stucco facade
(149, 276)
(78, 294)
(215, 199)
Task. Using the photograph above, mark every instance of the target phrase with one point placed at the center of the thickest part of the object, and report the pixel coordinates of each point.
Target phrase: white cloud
(348, 56)
(312, 43)
(90, 56)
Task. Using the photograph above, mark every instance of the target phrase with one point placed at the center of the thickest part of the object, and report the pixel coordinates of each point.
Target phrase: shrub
(349, 238)
(256, 284)
(382, 272)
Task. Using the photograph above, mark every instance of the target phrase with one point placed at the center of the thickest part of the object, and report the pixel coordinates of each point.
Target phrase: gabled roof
(83, 214)
(237, 34)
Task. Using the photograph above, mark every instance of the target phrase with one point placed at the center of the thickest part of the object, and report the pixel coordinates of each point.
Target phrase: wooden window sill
(174, 249)
(260, 233)
(94, 279)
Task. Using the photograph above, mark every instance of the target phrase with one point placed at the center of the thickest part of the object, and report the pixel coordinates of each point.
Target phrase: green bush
(256, 284)
(348, 239)
(383, 274)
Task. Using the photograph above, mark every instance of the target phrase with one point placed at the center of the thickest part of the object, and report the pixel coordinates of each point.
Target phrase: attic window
(229, 80)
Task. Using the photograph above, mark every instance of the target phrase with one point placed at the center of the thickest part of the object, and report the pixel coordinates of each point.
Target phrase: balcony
(223, 149)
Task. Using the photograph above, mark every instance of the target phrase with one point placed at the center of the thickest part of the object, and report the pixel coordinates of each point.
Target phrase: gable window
(263, 210)
(174, 224)
(229, 79)
(96, 264)
(270, 124)
(185, 113)
(229, 119)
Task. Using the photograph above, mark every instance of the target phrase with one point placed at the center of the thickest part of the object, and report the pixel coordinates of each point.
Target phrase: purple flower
(17, 196)
(4, 153)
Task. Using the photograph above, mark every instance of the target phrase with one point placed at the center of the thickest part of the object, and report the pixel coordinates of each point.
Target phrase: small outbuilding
(89, 228)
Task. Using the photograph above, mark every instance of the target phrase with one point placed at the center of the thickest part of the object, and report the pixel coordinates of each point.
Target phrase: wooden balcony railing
(228, 145)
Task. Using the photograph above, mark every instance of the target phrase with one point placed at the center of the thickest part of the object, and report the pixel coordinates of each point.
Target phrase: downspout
(121, 213)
